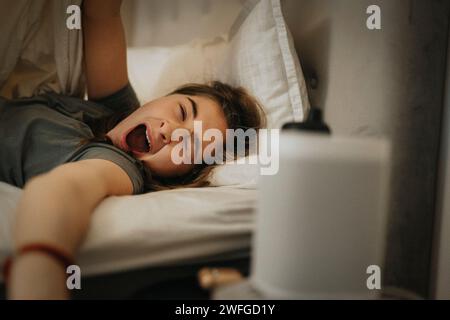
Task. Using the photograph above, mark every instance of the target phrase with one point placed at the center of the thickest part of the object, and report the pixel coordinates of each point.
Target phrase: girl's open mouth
(138, 139)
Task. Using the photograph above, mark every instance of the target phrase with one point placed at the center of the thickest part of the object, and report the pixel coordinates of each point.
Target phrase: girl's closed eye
(182, 112)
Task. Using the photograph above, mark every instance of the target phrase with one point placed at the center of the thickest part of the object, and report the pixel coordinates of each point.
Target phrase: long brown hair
(242, 111)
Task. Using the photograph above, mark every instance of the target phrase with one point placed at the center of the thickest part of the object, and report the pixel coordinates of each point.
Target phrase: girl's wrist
(37, 276)
(38, 271)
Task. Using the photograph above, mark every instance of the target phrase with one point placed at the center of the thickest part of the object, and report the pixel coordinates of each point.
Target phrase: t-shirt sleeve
(122, 100)
(133, 167)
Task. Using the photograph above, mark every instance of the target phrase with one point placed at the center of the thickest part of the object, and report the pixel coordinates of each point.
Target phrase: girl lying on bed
(70, 154)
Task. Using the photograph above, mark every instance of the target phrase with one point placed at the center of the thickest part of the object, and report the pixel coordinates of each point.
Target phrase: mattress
(155, 229)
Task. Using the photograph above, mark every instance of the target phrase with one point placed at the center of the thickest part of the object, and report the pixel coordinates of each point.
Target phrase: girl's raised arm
(104, 47)
(55, 209)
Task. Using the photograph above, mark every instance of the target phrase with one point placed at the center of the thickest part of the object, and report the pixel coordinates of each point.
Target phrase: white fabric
(243, 175)
(158, 228)
(257, 54)
(38, 53)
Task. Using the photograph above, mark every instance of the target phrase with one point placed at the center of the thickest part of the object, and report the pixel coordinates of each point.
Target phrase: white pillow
(258, 54)
(241, 175)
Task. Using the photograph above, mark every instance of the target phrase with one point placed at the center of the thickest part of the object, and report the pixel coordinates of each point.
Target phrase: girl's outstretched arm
(105, 50)
(55, 209)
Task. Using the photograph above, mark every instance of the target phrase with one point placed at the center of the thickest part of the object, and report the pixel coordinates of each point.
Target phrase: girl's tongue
(137, 140)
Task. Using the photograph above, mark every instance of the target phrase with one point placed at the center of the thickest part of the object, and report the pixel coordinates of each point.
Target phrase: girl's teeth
(148, 140)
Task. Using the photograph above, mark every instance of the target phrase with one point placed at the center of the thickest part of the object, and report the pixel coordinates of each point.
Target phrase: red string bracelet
(62, 257)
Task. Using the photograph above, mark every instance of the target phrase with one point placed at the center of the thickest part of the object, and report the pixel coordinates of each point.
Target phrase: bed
(162, 230)
(152, 245)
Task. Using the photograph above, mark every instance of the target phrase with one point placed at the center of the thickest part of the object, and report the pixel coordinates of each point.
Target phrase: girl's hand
(105, 50)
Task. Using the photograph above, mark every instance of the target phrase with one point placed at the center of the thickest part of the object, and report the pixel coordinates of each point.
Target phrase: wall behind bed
(384, 83)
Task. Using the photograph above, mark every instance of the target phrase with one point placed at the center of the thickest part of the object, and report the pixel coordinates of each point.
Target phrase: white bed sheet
(160, 228)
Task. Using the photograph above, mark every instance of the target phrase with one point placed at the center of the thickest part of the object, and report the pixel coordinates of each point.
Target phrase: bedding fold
(38, 52)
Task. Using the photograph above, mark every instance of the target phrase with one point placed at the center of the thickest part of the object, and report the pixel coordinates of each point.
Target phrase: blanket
(38, 53)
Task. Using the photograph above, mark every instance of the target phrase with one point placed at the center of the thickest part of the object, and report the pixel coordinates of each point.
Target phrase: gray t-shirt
(40, 133)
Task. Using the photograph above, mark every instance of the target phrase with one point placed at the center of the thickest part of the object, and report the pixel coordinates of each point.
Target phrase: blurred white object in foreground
(321, 220)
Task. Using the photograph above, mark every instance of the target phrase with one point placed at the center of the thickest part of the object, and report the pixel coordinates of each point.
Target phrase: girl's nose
(165, 131)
